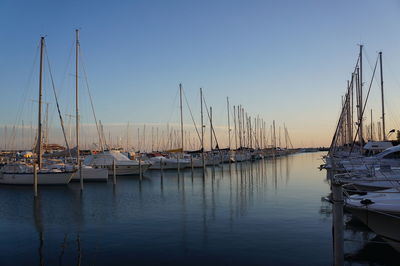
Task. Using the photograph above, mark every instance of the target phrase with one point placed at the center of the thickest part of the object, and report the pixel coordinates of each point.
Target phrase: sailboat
(20, 173)
(85, 172)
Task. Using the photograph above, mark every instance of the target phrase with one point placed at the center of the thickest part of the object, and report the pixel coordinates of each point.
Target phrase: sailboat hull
(51, 178)
(91, 174)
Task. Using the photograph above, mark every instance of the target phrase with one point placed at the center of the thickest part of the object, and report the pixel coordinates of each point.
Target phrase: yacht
(380, 211)
(123, 165)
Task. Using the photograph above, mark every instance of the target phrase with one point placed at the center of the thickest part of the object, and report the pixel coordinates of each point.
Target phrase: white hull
(43, 178)
(241, 157)
(124, 169)
(91, 174)
(166, 163)
(384, 224)
(123, 165)
(380, 211)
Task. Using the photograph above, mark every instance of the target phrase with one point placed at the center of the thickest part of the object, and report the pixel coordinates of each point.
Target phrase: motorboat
(113, 158)
(379, 210)
(161, 162)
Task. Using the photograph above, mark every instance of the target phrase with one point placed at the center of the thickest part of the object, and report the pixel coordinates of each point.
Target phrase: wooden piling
(80, 175)
(35, 180)
(337, 226)
(177, 161)
(191, 165)
(161, 168)
(140, 169)
(114, 173)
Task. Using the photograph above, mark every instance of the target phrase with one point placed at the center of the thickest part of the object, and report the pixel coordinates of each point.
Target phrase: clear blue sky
(284, 60)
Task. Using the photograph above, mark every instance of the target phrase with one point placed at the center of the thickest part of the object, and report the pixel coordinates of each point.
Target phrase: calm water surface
(262, 213)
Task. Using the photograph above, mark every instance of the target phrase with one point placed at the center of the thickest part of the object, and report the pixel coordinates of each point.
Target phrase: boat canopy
(106, 158)
(378, 145)
(388, 151)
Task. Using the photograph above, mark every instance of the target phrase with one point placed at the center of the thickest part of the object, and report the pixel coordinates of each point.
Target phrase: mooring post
(337, 222)
(80, 175)
(161, 168)
(140, 169)
(177, 161)
(35, 180)
(114, 173)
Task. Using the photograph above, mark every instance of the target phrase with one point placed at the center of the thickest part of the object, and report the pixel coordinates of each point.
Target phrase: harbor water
(267, 212)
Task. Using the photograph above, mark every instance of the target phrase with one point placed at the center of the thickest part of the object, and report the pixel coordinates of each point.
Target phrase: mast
(202, 131)
(371, 128)
(286, 136)
(77, 104)
(180, 94)
(211, 130)
(22, 135)
(274, 134)
(348, 113)
(152, 139)
(77, 93)
(127, 136)
(361, 101)
(383, 102)
(239, 111)
(39, 139)
(202, 122)
(229, 124)
(234, 122)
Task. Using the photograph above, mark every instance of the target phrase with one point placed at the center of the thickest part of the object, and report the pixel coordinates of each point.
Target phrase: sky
(287, 61)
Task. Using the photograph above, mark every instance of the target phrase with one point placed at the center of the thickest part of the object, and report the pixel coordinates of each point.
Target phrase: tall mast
(348, 113)
(22, 135)
(202, 131)
(239, 111)
(229, 124)
(361, 101)
(77, 105)
(371, 127)
(39, 139)
(286, 136)
(234, 122)
(211, 130)
(202, 122)
(180, 94)
(274, 134)
(383, 102)
(77, 94)
(243, 128)
(127, 136)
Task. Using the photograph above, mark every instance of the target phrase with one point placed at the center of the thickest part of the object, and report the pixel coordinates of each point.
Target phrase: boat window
(393, 155)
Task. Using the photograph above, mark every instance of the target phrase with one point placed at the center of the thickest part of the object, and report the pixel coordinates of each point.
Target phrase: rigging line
(173, 104)
(24, 96)
(387, 65)
(191, 115)
(365, 104)
(68, 64)
(332, 147)
(370, 66)
(339, 126)
(212, 126)
(334, 140)
(69, 96)
(58, 106)
(91, 99)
